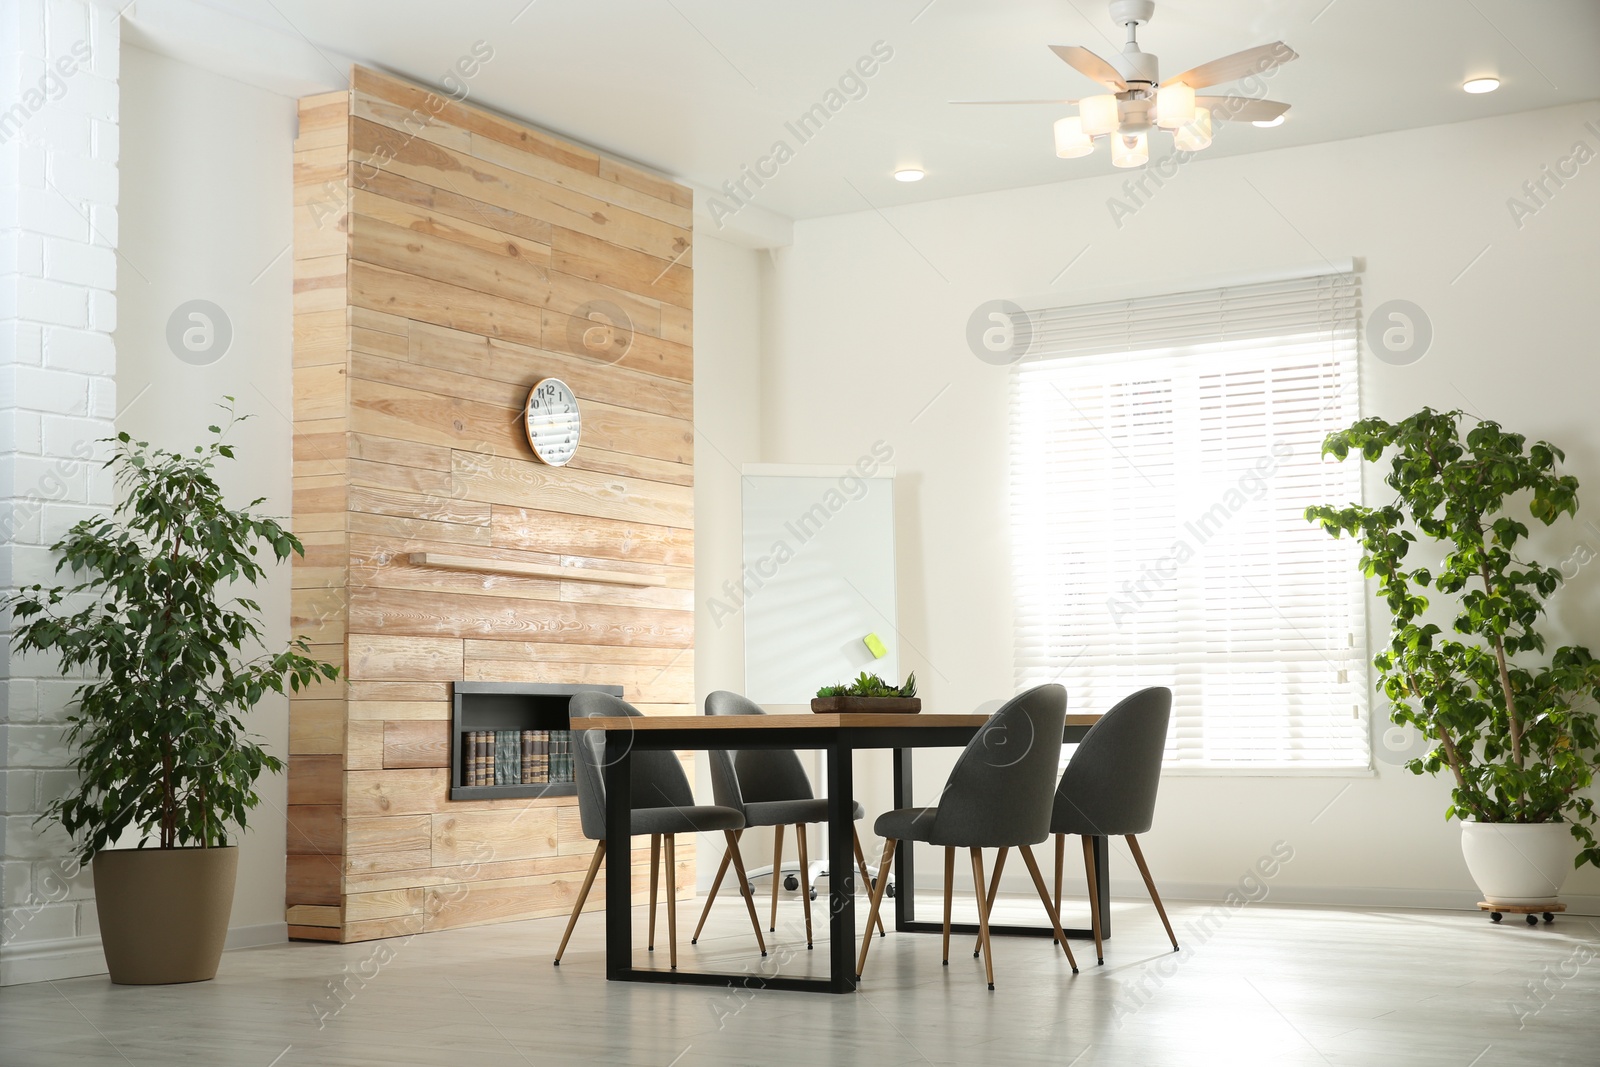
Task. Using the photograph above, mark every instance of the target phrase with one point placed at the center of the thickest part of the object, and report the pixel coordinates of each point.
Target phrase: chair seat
(685, 820)
(906, 824)
(789, 812)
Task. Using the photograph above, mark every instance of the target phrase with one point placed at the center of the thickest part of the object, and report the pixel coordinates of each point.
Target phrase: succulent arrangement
(870, 685)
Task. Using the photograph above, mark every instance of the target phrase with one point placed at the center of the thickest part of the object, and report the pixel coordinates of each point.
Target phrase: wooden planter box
(903, 705)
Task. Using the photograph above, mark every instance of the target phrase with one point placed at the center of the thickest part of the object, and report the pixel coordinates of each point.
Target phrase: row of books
(516, 757)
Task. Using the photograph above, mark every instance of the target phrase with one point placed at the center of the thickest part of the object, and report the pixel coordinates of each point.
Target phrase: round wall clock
(553, 421)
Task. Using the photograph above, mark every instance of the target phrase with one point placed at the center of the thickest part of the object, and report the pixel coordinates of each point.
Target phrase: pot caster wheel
(889, 890)
(1495, 916)
(1533, 920)
(813, 897)
(1548, 918)
(791, 883)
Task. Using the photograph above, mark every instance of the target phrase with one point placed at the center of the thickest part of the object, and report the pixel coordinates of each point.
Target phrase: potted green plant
(155, 621)
(869, 693)
(1510, 721)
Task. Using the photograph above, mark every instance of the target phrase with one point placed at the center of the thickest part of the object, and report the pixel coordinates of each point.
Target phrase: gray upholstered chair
(769, 787)
(663, 807)
(1109, 790)
(997, 796)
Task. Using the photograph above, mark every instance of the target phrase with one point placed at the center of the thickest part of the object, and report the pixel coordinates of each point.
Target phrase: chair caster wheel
(791, 883)
(1533, 920)
(1549, 918)
(1495, 916)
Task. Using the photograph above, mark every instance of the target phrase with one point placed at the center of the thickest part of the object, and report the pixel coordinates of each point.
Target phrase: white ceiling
(699, 88)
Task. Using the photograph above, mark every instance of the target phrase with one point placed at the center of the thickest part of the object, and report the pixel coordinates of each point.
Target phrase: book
(541, 756)
(469, 764)
(507, 763)
(525, 750)
(485, 757)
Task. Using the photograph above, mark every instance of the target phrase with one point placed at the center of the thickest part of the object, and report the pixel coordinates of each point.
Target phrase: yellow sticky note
(876, 646)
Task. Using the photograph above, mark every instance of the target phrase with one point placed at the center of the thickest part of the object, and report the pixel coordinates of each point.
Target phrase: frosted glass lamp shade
(1130, 149)
(1195, 134)
(1098, 115)
(1174, 105)
(1071, 141)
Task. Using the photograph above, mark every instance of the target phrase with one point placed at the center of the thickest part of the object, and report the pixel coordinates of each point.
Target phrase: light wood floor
(1262, 985)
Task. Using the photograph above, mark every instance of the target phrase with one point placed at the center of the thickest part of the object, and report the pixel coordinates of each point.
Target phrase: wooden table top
(800, 721)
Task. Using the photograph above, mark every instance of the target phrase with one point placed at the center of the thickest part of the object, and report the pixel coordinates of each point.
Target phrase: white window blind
(1163, 453)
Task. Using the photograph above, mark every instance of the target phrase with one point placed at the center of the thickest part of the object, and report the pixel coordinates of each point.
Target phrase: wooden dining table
(840, 735)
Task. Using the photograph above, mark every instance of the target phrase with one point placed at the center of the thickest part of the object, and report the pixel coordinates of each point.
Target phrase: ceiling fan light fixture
(1480, 85)
(1174, 105)
(1130, 149)
(1194, 135)
(1071, 141)
(1099, 115)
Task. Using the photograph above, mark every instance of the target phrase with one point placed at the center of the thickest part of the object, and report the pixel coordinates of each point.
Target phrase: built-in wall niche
(496, 707)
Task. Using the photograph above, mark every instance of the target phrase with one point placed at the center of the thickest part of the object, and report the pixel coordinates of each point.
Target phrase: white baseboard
(80, 957)
(1373, 897)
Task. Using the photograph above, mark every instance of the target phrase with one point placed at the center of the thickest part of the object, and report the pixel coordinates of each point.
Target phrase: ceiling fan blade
(1256, 60)
(1241, 109)
(1011, 102)
(1091, 66)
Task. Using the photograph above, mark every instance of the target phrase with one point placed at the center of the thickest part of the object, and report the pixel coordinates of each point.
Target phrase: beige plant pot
(164, 912)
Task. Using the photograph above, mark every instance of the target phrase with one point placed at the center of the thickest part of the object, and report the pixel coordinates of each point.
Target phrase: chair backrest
(657, 777)
(1109, 786)
(998, 793)
(755, 775)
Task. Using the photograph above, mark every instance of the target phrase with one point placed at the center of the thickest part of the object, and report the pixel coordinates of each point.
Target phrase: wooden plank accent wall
(446, 259)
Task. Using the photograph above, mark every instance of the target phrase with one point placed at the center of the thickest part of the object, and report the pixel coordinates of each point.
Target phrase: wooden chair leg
(983, 915)
(949, 890)
(744, 886)
(1061, 851)
(805, 876)
(1150, 884)
(655, 878)
(866, 876)
(672, 902)
(716, 884)
(1044, 898)
(777, 872)
(877, 901)
(583, 895)
(994, 891)
(1094, 897)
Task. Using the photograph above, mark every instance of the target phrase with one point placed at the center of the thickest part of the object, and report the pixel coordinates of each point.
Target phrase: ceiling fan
(1139, 100)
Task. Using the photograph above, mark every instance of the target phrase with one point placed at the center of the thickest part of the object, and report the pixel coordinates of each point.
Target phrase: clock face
(553, 421)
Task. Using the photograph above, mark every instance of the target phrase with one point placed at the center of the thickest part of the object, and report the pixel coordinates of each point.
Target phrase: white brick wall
(59, 64)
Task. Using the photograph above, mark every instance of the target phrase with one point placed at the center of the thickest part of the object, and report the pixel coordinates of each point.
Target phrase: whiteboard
(818, 578)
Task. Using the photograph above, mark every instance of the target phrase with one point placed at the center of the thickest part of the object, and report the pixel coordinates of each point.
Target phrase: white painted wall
(728, 286)
(866, 340)
(58, 307)
(206, 172)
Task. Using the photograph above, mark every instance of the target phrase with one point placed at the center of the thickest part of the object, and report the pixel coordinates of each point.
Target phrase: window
(1163, 453)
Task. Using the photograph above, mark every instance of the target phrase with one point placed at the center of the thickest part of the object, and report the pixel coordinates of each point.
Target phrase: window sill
(1279, 770)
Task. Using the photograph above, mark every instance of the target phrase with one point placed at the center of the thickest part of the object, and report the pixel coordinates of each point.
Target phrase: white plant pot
(1518, 863)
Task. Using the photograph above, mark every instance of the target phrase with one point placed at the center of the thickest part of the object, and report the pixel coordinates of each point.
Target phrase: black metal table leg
(618, 769)
(1102, 884)
(841, 868)
(904, 872)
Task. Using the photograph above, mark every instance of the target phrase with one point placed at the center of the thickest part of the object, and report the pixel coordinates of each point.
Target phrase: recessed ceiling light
(908, 174)
(1270, 122)
(1481, 85)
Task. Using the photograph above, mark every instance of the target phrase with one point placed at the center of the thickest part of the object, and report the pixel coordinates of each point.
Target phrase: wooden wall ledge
(533, 570)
